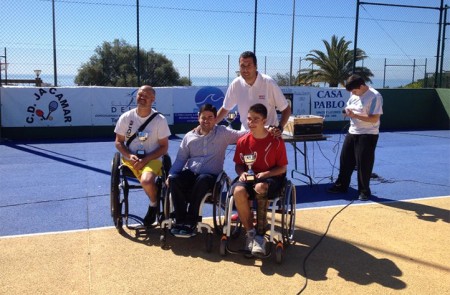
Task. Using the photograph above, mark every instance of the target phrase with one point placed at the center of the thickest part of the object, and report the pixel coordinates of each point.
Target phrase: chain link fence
(204, 38)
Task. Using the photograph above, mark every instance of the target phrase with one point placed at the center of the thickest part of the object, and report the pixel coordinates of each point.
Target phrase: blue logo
(211, 95)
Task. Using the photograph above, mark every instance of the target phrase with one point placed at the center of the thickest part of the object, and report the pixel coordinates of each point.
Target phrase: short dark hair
(209, 108)
(353, 82)
(247, 54)
(259, 108)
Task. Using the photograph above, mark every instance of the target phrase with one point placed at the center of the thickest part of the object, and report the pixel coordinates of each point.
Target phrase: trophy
(249, 160)
(231, 117)
(142, 136)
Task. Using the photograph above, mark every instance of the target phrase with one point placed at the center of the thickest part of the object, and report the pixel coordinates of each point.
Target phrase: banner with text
(102, 106)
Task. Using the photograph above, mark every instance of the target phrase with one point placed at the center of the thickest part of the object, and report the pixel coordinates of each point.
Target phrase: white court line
(300, 209)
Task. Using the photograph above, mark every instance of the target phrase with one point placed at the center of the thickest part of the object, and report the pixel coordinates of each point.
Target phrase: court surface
(56, 234)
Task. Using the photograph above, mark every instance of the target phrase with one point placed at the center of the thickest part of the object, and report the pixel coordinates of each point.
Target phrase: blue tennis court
(65, 185)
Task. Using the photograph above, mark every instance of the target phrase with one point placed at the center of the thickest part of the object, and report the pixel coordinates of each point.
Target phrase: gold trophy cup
(249, 160)
(231, 116)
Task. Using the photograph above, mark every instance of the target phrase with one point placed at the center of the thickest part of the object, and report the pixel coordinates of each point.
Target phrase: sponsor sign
(102, 106)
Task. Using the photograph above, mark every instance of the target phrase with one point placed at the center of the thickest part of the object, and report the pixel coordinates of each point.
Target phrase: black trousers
(358, 150)
(188, 190)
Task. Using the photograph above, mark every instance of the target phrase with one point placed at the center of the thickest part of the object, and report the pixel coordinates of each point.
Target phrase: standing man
(198, 163)
(364, 108)
(269, 171)
(144, 157)
(252, 87)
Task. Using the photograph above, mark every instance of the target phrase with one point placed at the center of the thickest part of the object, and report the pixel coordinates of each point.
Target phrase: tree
(283, 80)
(333, 66)
(114, 64)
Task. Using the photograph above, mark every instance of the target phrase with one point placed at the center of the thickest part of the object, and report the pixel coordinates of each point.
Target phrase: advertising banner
(102, 106)
(109, 103)
(45, 107)
(188, 100)
(325, 102)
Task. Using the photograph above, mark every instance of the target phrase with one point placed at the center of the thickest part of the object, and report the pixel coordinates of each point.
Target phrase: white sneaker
(249, 238)
(259, 246)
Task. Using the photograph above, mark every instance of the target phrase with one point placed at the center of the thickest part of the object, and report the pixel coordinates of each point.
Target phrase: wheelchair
(281, 231)
(122, 179)
(215, 197)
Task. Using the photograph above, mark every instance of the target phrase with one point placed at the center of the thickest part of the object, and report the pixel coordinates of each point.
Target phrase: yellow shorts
(154, 166)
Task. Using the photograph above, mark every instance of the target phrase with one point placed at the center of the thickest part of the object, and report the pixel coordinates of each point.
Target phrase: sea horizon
(68, 80)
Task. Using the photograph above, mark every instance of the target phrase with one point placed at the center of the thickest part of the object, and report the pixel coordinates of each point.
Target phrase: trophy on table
(142, 136)
(231, 116)
(249, 160)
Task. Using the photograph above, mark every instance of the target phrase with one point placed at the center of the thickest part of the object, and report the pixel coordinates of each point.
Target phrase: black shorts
(275, 185)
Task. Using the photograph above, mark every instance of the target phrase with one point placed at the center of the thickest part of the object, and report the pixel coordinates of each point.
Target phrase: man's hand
(276, 132)
(138, 164)
(243, 177)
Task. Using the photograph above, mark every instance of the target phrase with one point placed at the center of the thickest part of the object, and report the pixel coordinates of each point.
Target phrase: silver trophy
(249, 160)
(142, 136)
(231, 117)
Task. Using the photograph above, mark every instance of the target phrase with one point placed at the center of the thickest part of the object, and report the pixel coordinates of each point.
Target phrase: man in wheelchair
(198, 163)
(142, 137)
(260, 162)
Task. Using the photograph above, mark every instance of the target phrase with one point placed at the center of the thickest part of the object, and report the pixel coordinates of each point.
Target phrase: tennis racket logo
(52, 106)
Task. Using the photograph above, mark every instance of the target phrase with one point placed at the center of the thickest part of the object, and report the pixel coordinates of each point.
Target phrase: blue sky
(205, 33)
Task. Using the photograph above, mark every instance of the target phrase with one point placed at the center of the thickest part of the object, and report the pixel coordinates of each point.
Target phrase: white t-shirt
(370, 103)
(265, 90)
(130, 121)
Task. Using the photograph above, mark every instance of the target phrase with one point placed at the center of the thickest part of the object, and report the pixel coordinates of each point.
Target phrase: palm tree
(333, 66)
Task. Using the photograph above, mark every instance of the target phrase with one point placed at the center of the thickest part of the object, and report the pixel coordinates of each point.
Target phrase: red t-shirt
(270, 152)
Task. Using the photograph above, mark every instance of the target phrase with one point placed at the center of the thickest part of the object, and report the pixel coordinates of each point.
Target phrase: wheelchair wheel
(288, 213)
(116, 206)
(219, 202)
(166, 204)
(279, 253)
(223, 245)
(162, 238)
(161, 196)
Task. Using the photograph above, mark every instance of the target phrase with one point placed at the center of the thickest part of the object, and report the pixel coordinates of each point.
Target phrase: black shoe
(337, 189)
(187, 231)
(150, 217)
(363, 197)
(175, 230)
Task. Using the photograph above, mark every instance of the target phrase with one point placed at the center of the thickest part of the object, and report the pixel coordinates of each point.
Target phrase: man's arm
(221, 114)
(285, 114)
(240, 171)
(277, 132)
(370, 119)
(121, 147)
(160, 151)
(275, 171)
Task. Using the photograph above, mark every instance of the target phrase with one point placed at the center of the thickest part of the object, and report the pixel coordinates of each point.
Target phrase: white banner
(188, 101)
(325, 102)
(45, 107)
(102, 106)
(75, 106)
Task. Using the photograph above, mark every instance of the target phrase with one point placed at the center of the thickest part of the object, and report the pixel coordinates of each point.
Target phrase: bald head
(147, 88)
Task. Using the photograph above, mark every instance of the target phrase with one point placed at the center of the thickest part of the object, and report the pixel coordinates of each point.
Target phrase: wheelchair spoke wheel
(116, 206)
(219, 203)
(288, 214)
(166, 205)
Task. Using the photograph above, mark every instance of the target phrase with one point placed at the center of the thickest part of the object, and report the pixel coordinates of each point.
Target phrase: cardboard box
(302, 125)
